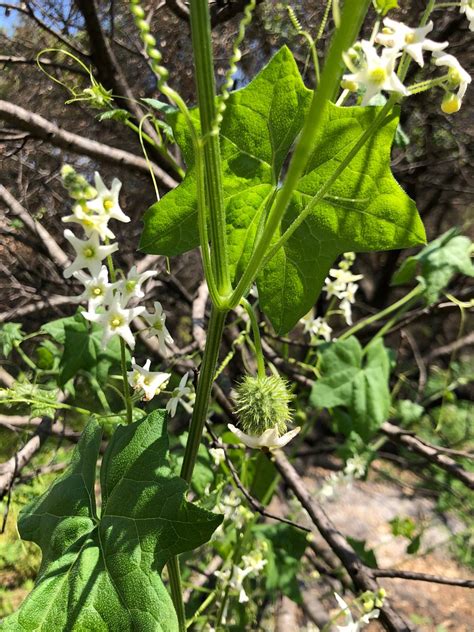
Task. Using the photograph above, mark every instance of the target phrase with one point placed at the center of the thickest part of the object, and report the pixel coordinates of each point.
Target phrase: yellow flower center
(116, 321)
(108, 204)
(130, 286)
(97, 291)
(409, 38)
(378, 75)
(88, 252)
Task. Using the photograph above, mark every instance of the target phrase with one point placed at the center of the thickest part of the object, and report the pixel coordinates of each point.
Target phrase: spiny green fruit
(262, 403)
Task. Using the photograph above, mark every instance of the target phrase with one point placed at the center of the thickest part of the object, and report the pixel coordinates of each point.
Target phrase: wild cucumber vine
(254, 222)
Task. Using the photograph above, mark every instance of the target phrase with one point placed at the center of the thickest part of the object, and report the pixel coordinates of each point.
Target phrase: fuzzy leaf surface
(355, 383)
(101, 570)
(365, 209)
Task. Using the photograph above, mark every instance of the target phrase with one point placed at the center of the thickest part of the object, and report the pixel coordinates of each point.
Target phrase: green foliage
(437, 263)
(408, 412)
(384, 6)
(407, 528)
(101, 571)
(40, 399)
(116, 115)
(286, 546)
(365, 209)
(82, 343)
(366, 555)
(10, 334)
(356, 380)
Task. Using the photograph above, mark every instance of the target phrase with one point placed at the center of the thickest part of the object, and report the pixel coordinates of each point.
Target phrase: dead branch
(38, 306)
(10, 469)
(361, 575)
(12, 59)
(56, 253)
(429, 451)
(422, 577)
(43, 129)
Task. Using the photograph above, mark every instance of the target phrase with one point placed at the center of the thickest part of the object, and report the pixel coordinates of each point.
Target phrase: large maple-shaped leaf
(101, 571)
(365, 209)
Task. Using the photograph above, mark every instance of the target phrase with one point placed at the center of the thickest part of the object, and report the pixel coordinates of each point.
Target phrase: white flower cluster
(374, 73)
(341, 284)
(234, 577)
(108, 301)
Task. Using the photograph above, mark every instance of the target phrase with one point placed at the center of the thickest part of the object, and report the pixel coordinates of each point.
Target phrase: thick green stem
(204, 70)
(206, 377)
(353, 14)
(176, 593)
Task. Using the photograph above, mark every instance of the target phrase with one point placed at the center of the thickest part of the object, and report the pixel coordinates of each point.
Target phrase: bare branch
(430, 452)
(56, 253)
(10, 468)
(361, 575)
(422, 577)
(38, 306)
(11, 59)
(43, 129)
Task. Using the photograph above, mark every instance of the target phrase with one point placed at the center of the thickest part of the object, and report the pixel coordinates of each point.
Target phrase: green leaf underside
(365, 210)
(357, 383)
(438, 262)
(101, 571)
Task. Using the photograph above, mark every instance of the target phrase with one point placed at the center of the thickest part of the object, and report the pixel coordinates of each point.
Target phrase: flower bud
(262, 404)
(450, 104)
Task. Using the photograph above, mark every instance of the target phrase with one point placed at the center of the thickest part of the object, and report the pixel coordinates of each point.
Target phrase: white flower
(467, 7)
(116, 321)
(350, 625)
(457, 78)
(346, 309)
(107, 201)
(270, 439)
(218, 455)
(319, 328)
(151, 382)
(90, 222)
(413, 41)
(355, 467)
(131, 287)
(89, 253)
(177, 396)
(342, 279)
(97, 289)
(377, 73)
(253, 563)
(156, 321)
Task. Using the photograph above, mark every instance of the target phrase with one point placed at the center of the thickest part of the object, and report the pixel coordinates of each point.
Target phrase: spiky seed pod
(262, 403)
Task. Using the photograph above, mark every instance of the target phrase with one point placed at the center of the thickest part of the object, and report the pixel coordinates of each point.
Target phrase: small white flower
(467, 7)
(107, 201)
(346, 309)
(97, 289)
(318, 327)
(177, 396)
(413, 41)
(377, 73)
(115, 321)
(218, 455)
(89, 253)
(151, 382)
(458, 78)
(355, 467)
(156, 320)
(350, 625)
(270, 439)
(342, 279)
(90, 222)
(131, 287)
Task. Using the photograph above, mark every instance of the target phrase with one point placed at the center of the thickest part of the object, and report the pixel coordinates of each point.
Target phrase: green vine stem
(174, 575)
(353, 14)
(385, 312)
(204, 71)
(256, 338)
